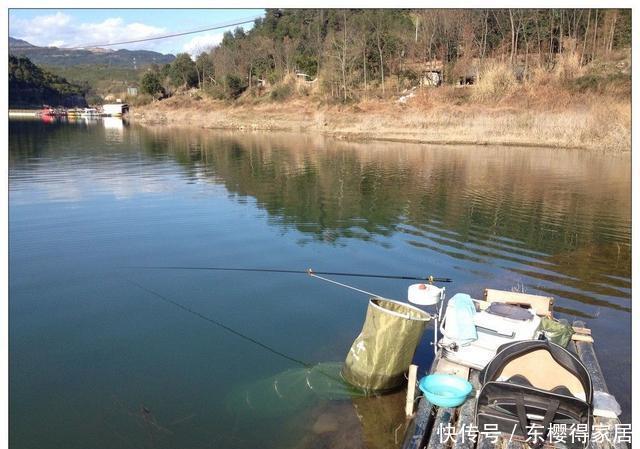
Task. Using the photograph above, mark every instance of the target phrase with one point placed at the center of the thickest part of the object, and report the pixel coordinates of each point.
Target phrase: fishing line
(221, 325)
(306, 365)
(312, 274)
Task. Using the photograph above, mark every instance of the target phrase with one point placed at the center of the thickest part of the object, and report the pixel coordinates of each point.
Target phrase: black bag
(532, 385)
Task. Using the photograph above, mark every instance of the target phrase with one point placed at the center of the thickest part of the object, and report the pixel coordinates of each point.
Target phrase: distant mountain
(19, 43)
(62, 57)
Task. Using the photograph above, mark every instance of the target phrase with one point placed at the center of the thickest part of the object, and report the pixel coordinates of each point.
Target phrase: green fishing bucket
(380, 356)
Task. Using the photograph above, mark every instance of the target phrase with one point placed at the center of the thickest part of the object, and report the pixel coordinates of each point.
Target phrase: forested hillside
(350, 54)
(30, 86)
(99, 71)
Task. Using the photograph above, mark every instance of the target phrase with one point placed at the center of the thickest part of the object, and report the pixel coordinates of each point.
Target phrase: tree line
(31, 86)
(352, 53)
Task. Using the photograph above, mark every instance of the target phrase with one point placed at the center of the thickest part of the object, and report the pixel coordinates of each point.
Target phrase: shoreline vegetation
(527, 77)
(572, 107)
(556, 78)
(604, 126)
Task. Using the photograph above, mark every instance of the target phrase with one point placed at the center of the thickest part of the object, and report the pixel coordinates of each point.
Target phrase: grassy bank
(570, 107)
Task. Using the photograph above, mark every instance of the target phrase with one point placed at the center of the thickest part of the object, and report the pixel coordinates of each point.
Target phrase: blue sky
(73, 27)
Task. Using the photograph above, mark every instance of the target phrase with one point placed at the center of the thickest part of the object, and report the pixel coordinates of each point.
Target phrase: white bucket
(425, 294)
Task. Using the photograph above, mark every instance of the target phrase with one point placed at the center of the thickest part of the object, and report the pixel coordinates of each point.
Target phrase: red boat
(47, 111)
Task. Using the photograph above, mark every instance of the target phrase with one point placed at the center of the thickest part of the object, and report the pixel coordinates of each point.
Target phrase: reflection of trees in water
(34, 138)
(556, 217)
(535, 210)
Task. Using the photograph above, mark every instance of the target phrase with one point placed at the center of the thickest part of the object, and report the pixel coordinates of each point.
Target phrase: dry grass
(569, 106)
(495, 82)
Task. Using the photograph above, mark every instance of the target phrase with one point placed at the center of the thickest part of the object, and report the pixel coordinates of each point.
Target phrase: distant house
(132, 91)
(304, 79)
(115, 109)
(432, 78)
(429, 73)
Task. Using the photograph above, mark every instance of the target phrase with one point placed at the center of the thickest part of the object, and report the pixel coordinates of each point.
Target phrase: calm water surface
(99, 360)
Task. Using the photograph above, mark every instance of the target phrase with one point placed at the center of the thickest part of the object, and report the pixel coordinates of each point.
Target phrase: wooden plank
(485, 442)
(422, 422)
(411, 390)
(419, 426)
(587, 355)
(442, 421)
(582, 330)
(445, 366)
(466, 416)
(513, 443)
(423, 429)
(584, 338)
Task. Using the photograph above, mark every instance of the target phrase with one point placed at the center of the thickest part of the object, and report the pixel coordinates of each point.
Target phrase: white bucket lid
(424, 294)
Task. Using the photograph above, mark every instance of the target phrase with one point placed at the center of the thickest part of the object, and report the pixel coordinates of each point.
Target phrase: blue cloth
(459, 325)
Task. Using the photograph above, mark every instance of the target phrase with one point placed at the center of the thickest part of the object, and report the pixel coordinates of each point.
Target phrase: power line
(166, 36)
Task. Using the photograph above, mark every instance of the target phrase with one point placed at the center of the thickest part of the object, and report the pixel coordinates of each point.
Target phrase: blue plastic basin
(445, 390)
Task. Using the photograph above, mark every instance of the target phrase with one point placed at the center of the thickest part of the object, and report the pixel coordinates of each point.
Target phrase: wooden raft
(422, 431)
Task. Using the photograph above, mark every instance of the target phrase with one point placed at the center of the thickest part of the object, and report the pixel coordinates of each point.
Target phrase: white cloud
(202, 43)
(62, 30)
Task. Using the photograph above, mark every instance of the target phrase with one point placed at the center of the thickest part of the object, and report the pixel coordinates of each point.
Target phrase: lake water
(104, 356)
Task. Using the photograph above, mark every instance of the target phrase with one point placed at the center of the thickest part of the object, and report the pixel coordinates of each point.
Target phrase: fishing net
(294, 389)
(380, 356)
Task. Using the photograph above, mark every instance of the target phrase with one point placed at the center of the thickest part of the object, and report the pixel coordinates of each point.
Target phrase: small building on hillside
(132, 91)
(115, 109)
(431, 78)
(428, 73)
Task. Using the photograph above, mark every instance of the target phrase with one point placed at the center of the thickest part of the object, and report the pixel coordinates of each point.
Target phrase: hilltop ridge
(64, 57)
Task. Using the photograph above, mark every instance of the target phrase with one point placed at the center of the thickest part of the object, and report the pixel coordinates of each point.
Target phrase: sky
(85, 27)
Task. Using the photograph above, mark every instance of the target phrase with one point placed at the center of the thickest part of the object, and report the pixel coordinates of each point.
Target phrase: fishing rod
(309, 271)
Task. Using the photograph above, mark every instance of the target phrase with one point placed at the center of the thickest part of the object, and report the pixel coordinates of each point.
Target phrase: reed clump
(495, 82)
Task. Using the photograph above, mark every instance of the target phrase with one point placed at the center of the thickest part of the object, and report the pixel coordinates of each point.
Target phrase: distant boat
(89, 112)
(48, 111)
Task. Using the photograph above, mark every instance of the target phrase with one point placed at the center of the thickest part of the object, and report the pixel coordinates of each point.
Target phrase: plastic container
(425, 294)
(445, 390)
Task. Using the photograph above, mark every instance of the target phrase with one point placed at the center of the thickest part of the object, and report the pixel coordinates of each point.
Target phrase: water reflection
(536, 220)
(559, 221)
(88, 197)
(114, 128)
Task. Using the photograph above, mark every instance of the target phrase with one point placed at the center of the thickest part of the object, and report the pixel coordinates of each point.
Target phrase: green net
(293, 389)
(381, 354)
